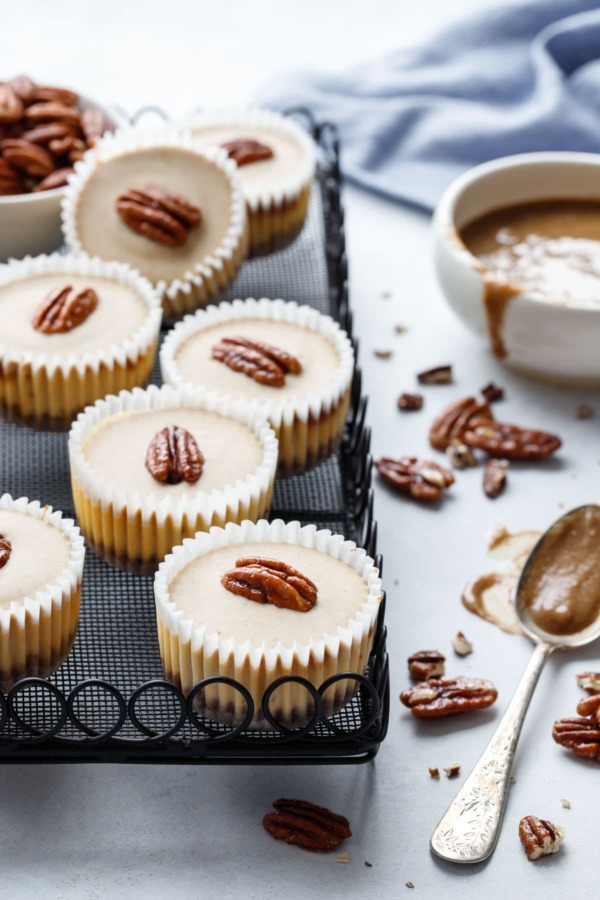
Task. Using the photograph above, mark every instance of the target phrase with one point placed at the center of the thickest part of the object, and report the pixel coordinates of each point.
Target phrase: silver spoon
(469, 829)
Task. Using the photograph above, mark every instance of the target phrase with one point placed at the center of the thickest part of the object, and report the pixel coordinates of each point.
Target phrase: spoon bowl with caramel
(517, 253)
(558, 606)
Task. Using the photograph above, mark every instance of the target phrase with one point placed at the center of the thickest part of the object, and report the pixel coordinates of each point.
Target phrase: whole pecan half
(494, 477)
(582, 736)
(452, 423)
(590, 707)
(539, 837)
(307, 825)
(64, 308)
(174, 456)
(5, 550)
(56, 179)
(448, 696)
(94, 124)
(27, 157)
(158, 215)
(48, 131)
(23, 87)
(70, 146)
(11, 106)
(247, 150)
(426, 664)
(52, 112)
(267, 580)
(46, 93)
(11, 181)
(423, 480)
(256, 359)
(511, 441)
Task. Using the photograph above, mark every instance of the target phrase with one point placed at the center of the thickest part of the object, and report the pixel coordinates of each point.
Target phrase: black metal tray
(109, 701)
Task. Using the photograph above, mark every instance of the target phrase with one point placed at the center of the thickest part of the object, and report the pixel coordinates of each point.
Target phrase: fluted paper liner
(210, 275)
(191, 653)
(43, 388)
(276, 216)
(126, 527)
(37, 633)
(308, 429)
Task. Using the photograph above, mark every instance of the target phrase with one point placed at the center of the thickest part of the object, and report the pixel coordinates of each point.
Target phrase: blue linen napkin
(508, 80)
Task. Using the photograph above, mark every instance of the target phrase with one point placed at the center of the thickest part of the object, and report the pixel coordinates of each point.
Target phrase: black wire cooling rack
(109, 701)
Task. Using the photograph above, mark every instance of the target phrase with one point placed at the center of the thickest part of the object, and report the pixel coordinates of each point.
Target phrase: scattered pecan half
(589, 681)
(511, 441)
(94, 124)
(11, 106)
(307, 825)
(437, 375)
(11, 181)
(539, 837)
(582, 736)
(27, 157)
(492, 392)
(410, 402)
(590, 707)
(452, 423)
(52, 112)
(247, 150)
(426, 664)
(56, 179)
(64, 308)
(174, 456)
(267, 580)
(256, 359)
(423, 480)
(5, 550)
(158, 215)
(448, 696)
(494, 477)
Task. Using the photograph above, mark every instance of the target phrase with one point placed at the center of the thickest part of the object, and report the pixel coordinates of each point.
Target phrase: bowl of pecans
(44, 131)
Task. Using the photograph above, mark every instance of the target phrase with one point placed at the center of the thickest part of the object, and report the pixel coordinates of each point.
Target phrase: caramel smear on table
(492, 596)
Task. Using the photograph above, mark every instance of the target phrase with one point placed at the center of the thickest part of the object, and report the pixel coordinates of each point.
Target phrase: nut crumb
(400, 329)
(386, 295)
(492, 392)
(437, 375)
(452, 771)
(512, 780)
(342, 858)
(461, 644)
(584, 411)
(410, 402)
(434, 773)
(565, 804)
(368, 864)
(409, 884)
(459, 455)
(589, 681)
(383, 354)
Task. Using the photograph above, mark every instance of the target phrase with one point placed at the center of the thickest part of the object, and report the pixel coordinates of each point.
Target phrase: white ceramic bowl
(30, 223)
(558, 343)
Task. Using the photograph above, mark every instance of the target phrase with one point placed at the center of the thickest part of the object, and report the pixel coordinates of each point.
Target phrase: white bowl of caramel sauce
(517, 253)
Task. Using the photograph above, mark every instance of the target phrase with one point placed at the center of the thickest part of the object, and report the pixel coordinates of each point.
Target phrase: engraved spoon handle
(469, 829)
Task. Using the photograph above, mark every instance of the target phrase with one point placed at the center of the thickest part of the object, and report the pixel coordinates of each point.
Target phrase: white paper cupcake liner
(190, 653)
(124, 526)
(210, 275)
(276, 215)
(36, 634)
(308, 428)
(54, 387)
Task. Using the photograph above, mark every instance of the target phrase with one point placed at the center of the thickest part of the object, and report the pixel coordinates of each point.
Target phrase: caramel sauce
(547, 248)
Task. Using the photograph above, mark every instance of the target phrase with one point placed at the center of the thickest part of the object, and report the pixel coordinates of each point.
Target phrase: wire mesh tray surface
(109, 701)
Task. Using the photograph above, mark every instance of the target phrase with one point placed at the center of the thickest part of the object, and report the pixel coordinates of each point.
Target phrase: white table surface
(124, 831)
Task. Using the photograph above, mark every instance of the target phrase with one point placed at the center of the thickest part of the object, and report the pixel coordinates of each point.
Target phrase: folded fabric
(509, 80)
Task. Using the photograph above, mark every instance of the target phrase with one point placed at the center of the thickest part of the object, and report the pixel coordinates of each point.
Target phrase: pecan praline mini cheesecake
(73, 330)
(276, 159)
(256, 602)
(165, 205)
(289, 363)
(41, 567)
(150, 468)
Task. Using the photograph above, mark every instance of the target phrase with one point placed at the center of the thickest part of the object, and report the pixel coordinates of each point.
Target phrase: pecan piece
(539, 837)
(57, 179)
(420, 479)
(590, 707)
(307, 825)
(257, 359)
(492, 392)
(589, 681)
(410, 402)
(494, 477)
(462, 645)
(437, 375)
(174, 456)
(10, 180)
(452, 423)
(582, 736)
(5, 550)
(448, 696)
(267, 580)
(52, 112)
(27, 157)
(426, 664)
(64, 308)
(246, 150)
(459, 455)
(511, 441)
(158, 215)
(94, 124)
(11, 107)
